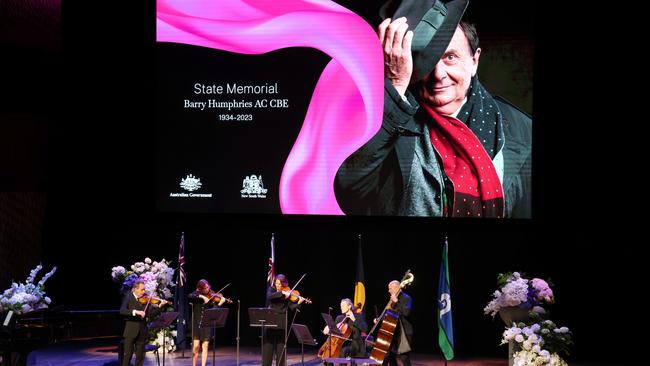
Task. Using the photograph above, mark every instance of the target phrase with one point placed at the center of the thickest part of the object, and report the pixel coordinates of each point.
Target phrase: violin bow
(148, 302)
(296, 285)
(216, 293)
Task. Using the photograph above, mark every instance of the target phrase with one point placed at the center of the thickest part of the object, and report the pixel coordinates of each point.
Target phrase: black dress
(205, 333)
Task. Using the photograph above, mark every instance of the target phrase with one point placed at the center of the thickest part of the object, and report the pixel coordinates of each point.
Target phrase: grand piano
(22, 334)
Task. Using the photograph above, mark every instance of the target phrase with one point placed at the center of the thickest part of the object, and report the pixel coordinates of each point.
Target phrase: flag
(270, 277)
(445, 328)
(359, 287)
(181, 262)
(180, 298)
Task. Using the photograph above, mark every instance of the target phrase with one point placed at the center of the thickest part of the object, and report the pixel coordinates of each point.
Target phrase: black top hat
(435, 23)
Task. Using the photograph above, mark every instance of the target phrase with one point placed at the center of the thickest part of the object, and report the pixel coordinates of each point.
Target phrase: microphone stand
(238, 307)
(287, 333)
(329, 311)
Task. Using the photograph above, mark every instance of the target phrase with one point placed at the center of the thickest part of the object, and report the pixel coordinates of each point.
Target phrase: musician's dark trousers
(129, 344)
(273, 344)
(393, 359)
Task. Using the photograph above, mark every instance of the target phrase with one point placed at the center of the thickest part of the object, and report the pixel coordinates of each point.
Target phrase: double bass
(388, 324)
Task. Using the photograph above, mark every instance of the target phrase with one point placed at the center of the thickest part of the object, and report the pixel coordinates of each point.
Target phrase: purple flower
(544, 292)
(128, 282)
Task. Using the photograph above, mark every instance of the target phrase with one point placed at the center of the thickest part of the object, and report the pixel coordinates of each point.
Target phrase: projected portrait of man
(446, 147)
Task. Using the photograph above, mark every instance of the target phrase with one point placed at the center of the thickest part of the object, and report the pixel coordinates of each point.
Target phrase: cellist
(400, 348)
(355, 347)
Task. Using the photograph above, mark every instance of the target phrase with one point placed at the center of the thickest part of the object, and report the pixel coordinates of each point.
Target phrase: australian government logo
(191, 184)
(253, 187)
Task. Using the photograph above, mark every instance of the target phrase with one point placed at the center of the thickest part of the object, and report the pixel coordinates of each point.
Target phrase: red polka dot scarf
(467, 164)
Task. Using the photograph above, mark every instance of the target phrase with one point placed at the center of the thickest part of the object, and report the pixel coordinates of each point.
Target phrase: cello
(334, 344)
(388, 324)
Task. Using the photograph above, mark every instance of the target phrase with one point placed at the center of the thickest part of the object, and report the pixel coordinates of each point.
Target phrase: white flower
(536, 348)
(544, 353)
(147, 260)
(49, 274)
(32, 274)
(519, 338)
(118, 272)
(138, 267)
(535, 327)
(564, 330)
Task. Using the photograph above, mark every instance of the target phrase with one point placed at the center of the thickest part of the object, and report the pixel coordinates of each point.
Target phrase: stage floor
(103, 352)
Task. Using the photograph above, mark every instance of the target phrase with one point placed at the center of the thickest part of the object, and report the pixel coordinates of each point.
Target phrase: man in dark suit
(135, 330)
(403, 337)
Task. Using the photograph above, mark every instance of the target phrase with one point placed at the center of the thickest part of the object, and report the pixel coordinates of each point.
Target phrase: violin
(146, 299)
(216, 297)
(294, 296)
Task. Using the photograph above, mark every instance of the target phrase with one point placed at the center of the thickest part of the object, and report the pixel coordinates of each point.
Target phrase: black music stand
(163, 321)
(214, 318)
(333, 329)
(304, 337)
(265, 318)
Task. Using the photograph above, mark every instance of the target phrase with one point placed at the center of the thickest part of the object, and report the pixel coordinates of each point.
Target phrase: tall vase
(509, 315)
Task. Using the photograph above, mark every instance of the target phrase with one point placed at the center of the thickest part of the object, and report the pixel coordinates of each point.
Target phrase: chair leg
(158, 357)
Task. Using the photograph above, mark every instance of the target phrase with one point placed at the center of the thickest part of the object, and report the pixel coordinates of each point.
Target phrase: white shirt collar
(455, 114)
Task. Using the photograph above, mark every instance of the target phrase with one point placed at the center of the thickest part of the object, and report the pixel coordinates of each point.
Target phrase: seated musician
(202, 298)
(355, 347)
(136, 333)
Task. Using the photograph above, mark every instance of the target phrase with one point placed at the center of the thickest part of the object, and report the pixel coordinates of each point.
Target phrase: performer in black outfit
(135, 330)
(278, 298)
(202, 298)
(403, 336)
(356, 321)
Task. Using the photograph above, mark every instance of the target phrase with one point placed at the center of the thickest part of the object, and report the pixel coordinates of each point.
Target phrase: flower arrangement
(157, 277)
(168, 337)
(539, 343)
(515, 290)
(22, 298)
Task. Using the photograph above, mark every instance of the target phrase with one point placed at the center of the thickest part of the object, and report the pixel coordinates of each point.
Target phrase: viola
(146, 299)
(294, 296)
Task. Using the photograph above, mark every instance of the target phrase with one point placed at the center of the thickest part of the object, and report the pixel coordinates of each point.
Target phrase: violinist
(135, 330)
(401, 303)
(278, 297)
(356, 321)
(202, 298)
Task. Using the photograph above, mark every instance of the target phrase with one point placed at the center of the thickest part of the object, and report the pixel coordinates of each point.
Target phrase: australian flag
(180, 297)
(445, 328)
(270, 276)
